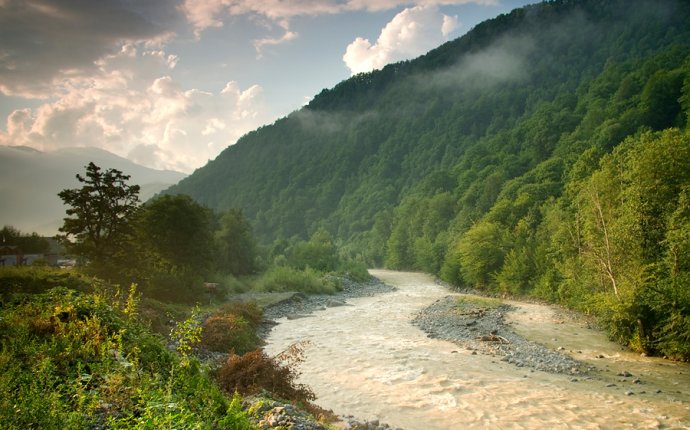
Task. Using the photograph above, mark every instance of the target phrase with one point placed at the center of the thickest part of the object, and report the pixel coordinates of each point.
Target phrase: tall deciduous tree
(98, 223)
(176, 234)
(236, 245)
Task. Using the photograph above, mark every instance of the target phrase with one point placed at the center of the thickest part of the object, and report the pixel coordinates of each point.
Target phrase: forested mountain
(546, 152)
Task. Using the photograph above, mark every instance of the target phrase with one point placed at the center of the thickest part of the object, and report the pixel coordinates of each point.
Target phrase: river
(367, 360)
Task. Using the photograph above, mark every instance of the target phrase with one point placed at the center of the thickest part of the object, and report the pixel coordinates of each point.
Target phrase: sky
(169, 84)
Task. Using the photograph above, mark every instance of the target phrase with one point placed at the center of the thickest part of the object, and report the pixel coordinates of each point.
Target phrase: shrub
(249, 311)
(255, 371)
(229, 332)
(70, 360)
(355, 270)
(281, 279)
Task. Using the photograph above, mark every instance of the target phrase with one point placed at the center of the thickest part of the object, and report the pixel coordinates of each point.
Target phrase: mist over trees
(542, 153)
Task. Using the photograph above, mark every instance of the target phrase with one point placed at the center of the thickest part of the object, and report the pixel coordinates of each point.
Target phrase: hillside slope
(359, 148)
(546, 153)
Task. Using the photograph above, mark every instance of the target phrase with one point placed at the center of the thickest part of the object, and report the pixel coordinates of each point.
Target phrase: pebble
(443, 320)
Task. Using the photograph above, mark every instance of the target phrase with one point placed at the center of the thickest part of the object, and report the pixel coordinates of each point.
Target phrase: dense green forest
(544, 153)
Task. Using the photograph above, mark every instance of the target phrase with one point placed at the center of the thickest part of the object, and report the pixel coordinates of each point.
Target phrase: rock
(629, 393)
(625, 374)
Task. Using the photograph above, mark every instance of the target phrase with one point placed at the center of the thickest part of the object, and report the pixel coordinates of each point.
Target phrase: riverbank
(299, 305)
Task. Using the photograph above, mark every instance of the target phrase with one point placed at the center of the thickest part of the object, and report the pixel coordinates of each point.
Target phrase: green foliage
(72, 360)
(33, 279)
(319, 253)
(555, 175)
(237, 251)
(232, 328)
(186, 335)
(481, 253)
(176, 234)
(99, 215)
(357, 271)
(286, 278)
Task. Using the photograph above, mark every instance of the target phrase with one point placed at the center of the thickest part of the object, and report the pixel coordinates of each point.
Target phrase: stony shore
(301, 305)
(482, 330)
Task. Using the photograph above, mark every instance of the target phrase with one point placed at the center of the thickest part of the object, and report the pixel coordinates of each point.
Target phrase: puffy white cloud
(410, 33)
(134, 108)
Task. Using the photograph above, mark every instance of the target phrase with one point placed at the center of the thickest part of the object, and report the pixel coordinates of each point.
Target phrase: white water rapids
(367, 360)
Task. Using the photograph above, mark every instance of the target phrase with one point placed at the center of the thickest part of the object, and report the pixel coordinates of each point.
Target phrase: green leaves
(100, 213)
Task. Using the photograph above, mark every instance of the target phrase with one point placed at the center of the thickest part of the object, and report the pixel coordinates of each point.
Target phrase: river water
(367, 360)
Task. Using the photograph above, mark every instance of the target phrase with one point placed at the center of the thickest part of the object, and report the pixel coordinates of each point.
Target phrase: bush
(229, 332)
(249, 311)
(281, 279)
(255, 371)
(355, 270)
(70, 360)
(231, 284)
(175, 288)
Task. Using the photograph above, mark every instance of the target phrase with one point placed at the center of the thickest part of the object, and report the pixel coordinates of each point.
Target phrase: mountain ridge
(353, 130)
(31, 180)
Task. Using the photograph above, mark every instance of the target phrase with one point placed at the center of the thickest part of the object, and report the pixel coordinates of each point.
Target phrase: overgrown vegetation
(543, 153)
(83, 359)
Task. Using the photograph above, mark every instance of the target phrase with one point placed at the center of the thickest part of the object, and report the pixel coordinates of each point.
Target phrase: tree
(100, 212)
(236, 245)
(176, 235)
(482, 251)
(27, 243)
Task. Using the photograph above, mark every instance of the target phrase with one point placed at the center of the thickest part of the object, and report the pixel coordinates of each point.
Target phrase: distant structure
(11, 255)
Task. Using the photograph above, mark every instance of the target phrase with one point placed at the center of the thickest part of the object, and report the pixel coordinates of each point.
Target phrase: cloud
(47, 41)
(132, 106)
(412, 32)
(204, 14)
(270, 41)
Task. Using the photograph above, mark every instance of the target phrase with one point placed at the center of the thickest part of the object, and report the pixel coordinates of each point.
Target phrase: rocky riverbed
(300, 305)
(479, 326)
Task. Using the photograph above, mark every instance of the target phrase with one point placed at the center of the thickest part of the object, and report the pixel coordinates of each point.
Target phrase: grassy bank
(88, 358)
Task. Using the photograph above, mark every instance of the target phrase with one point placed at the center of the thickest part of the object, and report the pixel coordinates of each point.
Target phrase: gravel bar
(483, 330)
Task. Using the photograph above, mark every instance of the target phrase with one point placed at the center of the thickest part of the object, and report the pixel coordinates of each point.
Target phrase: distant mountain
(30, 180)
